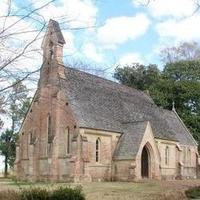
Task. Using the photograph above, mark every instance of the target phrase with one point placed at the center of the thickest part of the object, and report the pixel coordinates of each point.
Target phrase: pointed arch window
(31, 138)
(49, 129)
(189, 156)
(166, 155)
(98, 143)
(68, 140)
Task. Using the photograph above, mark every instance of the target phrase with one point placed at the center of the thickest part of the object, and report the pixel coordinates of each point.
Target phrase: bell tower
(52, 46)
(53, 43)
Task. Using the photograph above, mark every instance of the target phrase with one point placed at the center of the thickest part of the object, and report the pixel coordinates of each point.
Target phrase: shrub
(193, 193)
(61, 193)
(67, 193)
(34, 194)
(9, 195)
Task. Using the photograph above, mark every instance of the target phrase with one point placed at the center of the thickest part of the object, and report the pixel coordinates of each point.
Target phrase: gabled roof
(102, 104)
(130, 141)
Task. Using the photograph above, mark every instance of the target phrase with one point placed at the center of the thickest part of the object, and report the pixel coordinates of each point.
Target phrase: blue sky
(116, 31)
(128, 31)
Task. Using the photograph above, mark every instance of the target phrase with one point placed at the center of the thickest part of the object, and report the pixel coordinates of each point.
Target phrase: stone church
(81, 127)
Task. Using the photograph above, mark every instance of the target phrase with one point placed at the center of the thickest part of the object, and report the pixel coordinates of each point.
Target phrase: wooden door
(145, 163)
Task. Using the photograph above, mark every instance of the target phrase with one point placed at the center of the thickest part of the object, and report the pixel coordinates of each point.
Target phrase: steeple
(53, 43)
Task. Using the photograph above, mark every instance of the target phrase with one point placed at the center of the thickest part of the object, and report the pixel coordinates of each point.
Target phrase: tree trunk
(6, 167)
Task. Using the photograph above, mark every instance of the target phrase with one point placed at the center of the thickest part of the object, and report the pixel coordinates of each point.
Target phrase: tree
(21, 29)
(183, 70)
(184, 51)
(18, 104)
(17, 43)
(137, 75)
(7, 148)
(17, 40)
(185, 78)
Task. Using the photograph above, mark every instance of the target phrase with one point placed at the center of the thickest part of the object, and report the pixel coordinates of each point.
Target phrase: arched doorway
(145, 163)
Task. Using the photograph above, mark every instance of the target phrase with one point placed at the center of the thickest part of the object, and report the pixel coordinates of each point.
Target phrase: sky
(106, 33)
(116, 31)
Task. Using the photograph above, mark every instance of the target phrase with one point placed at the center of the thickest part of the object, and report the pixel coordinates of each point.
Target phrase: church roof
(130, 141)
(103, 104)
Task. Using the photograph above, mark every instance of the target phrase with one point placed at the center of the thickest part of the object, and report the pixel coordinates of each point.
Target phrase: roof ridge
(134, 122)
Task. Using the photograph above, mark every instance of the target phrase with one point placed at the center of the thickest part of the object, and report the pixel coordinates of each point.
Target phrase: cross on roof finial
(173, 106)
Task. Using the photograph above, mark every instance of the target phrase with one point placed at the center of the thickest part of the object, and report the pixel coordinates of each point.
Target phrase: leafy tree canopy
(137, 75)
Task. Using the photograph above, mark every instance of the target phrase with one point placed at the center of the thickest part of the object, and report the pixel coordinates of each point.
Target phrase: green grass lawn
(118, 190)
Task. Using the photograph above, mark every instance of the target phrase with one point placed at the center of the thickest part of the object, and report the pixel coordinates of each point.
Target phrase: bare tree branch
(27, 15)
(20, 80)
(23, 51)
(13, 49)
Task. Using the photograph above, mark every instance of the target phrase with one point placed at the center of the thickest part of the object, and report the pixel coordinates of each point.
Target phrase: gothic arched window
(68, 140)
(31, 137)
(189, 156)
(49, 131)
(98, 150)
(166, 155)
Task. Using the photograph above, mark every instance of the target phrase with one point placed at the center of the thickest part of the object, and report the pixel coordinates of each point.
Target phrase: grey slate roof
(129, 142)
(57, 30)
(102, 104)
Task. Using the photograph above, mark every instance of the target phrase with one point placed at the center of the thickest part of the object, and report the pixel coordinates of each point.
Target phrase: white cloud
(17, 36)
(130, 58)
(69, 47)
(21, 34)
(186, 30)
(91, 52)
(119, 30)
(170, 8)
(83, 12)
(76, 13)
(4, 7)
